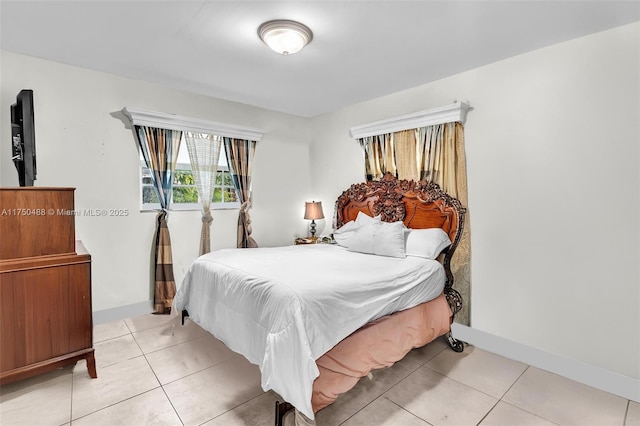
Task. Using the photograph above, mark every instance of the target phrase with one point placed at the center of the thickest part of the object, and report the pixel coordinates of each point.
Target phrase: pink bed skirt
(377, 345)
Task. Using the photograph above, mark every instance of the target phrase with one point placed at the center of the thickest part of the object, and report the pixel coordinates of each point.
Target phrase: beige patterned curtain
(204, 153)
(433, 153)
(240, 156)
(379, 156)
(429, 146)
(440, 149)
(159, 149)
(406, 155)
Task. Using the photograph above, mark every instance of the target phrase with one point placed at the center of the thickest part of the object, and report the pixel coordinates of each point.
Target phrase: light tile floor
(152, 373)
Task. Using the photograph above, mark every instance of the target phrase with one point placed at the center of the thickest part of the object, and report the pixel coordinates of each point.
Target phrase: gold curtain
(434, 153)
(405, 153)
(443, 161)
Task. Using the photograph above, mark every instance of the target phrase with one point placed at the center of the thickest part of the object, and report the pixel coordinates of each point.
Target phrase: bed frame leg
(185, 314)
(455, 344)
(282, 408)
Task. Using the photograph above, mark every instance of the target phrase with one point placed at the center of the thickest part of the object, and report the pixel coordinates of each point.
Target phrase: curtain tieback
(245, 206)
(162, 213)
(207, 218)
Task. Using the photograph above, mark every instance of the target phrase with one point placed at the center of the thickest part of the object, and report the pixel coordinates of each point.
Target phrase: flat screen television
(23, 137)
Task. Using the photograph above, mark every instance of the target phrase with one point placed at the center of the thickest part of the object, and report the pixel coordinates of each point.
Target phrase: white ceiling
(360, 50)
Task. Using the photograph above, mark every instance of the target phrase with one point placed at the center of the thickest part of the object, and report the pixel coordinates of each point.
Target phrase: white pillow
(379, 238)
(427, 243)
(364, 218)
(344, 233)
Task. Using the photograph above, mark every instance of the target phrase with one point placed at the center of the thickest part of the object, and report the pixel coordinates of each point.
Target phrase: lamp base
(312, 229)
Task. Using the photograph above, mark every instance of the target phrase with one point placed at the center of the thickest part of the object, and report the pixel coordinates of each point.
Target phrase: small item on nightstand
(327, 239)
(309, 240)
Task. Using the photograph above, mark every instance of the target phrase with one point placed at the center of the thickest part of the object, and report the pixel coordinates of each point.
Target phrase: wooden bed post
(282, 408)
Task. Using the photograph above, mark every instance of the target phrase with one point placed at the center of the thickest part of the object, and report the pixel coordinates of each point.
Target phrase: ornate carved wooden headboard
(418, 204)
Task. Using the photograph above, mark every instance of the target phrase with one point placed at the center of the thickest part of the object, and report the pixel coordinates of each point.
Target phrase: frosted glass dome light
(284, 36)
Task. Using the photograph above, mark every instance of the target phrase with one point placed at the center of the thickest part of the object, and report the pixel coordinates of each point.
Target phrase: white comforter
(284, 307)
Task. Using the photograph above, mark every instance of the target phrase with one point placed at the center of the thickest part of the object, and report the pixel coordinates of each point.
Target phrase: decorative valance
(456, 112)
(163, 120)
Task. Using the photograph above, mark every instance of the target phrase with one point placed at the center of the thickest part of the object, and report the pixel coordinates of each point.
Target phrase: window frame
(225, 205)
(140, 117)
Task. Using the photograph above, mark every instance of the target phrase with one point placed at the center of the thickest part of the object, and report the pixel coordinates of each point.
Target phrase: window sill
(189, 207)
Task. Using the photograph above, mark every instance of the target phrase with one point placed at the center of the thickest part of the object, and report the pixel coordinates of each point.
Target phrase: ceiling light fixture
(284, 36)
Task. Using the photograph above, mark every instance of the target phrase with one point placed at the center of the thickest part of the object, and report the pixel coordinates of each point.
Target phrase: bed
(315, 318)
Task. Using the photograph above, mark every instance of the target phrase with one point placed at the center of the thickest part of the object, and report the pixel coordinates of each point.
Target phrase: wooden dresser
(45, 284)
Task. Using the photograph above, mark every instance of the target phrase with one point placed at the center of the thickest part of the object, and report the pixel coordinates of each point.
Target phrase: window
(185, 193)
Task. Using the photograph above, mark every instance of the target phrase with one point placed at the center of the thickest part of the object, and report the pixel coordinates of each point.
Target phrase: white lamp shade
(285, 37)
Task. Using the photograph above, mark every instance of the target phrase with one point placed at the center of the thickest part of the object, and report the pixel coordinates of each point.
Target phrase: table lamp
(313, 211)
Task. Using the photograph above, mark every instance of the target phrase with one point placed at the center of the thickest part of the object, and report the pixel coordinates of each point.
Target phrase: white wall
(82, 142)
(553, 167)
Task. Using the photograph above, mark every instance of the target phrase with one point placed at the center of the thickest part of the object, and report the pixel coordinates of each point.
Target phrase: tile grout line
(480, 390)
(233, 408)
(405, 410)
(71, 399)
(164, 391)
(410, 372)
(529, 412)
(165, 347)
(520, 408)
(160, 386)
(112, 405)
(487, 413)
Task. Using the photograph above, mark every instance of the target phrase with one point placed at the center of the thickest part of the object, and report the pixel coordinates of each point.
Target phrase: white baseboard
(122, 312)
(599, 378)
